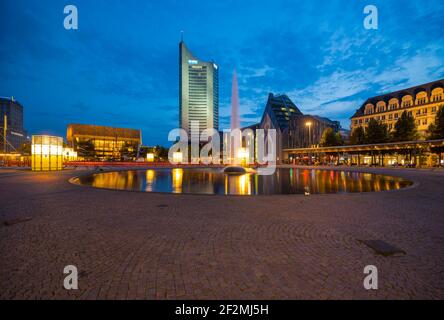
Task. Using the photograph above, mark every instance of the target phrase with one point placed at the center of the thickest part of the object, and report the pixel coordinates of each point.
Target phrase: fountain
(235, 121)
(235, 148)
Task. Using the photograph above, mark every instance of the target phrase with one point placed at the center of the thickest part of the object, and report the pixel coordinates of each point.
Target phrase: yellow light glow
(177, 175)
(150, 175)
(177, 157)
(47, 153)
(69, 154)
(150, 157)
(243, 153)
(308, 123)
(244, 185)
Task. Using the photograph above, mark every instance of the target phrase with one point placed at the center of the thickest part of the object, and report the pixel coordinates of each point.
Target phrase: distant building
(306, 130)
(103, 143)
(291, 125)
(12, 111)
(422, 102)
(198, 92)
(277, 114)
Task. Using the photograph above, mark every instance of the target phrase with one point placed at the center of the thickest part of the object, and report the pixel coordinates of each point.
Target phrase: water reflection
(213, 181)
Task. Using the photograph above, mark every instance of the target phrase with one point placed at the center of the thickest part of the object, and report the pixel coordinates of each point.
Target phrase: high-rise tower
(198, 92)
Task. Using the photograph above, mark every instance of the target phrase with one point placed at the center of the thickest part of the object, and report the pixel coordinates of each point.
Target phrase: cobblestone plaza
(132, 245)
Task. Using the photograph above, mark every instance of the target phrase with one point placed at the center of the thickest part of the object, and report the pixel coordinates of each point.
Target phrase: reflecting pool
(214, 181)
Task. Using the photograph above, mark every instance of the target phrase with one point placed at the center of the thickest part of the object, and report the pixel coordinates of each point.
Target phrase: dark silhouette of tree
(161, 152)
(25, 148)
(405, 128)
(330, 138)
(357, 137)
(128, 151)
(85, 149)
(376, 132)
(436, 131)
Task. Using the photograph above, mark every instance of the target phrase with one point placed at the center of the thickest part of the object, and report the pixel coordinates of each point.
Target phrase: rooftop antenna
(181, 35)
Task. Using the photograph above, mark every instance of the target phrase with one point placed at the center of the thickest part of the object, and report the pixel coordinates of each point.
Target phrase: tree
(25, 148)
(436, 130)
(330, 138)
(405, 128)
(161, 152)
(85, 149)
(128, 151)
(357, 137)
(376, 132)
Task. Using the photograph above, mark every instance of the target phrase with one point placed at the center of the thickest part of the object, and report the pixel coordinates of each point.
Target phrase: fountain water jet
(235, 146)
(235, 122)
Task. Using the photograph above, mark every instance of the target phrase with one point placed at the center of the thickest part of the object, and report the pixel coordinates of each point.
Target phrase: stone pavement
(130, 245)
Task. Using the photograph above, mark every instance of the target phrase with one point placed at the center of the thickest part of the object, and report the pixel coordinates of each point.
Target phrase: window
(390, 116)
(433, 109)
(396, 116)
(421, 100)
(406, 104)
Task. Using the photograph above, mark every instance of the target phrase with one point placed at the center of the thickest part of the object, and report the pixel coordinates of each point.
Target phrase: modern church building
(198, 92)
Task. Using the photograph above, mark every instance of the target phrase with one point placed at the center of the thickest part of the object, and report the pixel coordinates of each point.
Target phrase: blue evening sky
(120, 68)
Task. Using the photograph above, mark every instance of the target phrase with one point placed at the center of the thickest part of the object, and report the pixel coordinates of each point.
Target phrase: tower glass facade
(198, 92)
(12, 111)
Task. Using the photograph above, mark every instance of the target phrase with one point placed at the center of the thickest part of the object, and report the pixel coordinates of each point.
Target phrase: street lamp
(308, 124)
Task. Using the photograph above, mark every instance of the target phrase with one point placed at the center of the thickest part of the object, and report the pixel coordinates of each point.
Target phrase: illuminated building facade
(278, 111)
(293, 128)
(46, 153)
(422, 102)
(11, 115)
(104, 143)
(198, 92)
(305, 130)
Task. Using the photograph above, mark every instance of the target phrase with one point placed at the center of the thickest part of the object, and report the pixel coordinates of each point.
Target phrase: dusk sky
(120, 68)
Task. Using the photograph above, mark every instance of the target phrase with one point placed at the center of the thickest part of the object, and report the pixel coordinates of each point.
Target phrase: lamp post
(5, 132)
(308, 125)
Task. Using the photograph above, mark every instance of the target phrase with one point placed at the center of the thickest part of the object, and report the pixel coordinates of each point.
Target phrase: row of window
(395, 116)
(405, 104)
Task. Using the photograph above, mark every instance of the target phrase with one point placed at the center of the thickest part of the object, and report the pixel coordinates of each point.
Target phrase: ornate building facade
(422, 102)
